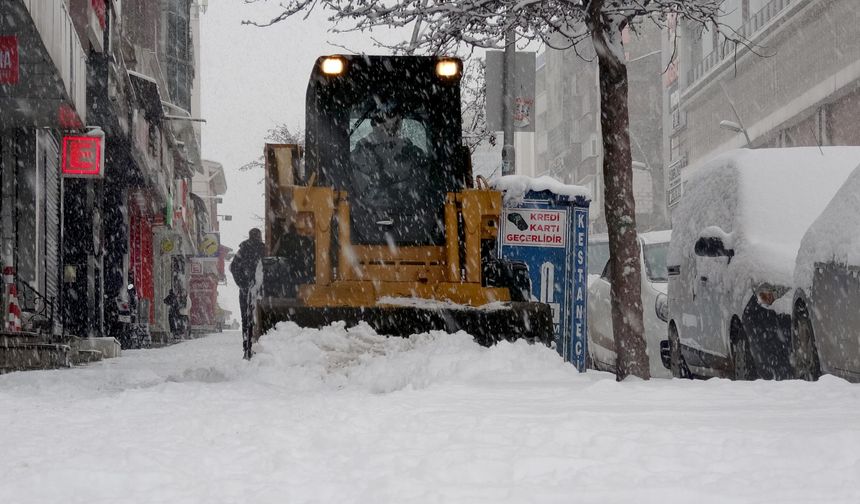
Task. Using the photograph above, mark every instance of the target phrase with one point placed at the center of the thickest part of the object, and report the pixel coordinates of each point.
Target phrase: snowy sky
(252, 79)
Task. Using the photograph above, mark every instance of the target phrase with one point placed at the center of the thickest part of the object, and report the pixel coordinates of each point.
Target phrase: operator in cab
(388, 166)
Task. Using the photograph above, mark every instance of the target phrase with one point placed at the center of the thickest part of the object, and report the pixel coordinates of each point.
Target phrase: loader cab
(387, 130)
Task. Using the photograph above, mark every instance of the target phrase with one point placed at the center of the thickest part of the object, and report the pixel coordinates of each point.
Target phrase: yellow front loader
(376, 218)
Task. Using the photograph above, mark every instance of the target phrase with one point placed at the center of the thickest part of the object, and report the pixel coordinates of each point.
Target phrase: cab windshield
(415, 130)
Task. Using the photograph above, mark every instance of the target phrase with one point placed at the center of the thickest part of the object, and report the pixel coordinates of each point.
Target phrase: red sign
(101, 12)
(67, 117)
(82, 156)
(8, 59)
(203, 290)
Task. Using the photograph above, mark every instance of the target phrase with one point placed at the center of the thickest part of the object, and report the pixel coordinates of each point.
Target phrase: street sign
(535, 227)
(83, 155)
(524, 91)
(549, 232)
(204, 266)
(209, 245)
(167, 245)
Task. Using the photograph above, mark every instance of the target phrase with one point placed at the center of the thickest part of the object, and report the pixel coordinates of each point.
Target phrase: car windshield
(655, 261)
(598, 254)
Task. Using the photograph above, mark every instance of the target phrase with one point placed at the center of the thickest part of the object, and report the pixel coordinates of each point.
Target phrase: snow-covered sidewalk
(348, 416)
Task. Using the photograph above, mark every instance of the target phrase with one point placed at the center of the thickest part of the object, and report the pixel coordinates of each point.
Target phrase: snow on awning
(148, 95)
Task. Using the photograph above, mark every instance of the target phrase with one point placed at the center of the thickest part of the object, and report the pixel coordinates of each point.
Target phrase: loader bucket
(513, 321)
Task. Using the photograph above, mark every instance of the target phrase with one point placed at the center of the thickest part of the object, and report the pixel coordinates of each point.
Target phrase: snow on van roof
(799, 182)
(516, 186)
(835, 234)
(768, 198)
(656, 236)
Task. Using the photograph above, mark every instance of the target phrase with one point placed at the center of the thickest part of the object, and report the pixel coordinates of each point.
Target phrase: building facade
(569, 144)
(43, 92)
(796, 82)
(85, 249)
(207, 269)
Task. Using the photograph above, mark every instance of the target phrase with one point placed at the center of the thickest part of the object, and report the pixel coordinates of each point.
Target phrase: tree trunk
(625, 274)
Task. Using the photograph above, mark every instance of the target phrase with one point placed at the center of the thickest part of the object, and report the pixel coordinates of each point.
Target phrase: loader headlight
(661, 305)
(448, 68)
(333, 65)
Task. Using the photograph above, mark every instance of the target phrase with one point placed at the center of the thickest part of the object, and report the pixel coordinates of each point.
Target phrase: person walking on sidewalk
(244, 268)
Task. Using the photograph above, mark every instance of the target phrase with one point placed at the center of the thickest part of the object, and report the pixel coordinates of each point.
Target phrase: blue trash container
(545, 224)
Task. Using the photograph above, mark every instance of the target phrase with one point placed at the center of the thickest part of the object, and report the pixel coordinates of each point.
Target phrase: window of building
(676, 145)
(179, 52)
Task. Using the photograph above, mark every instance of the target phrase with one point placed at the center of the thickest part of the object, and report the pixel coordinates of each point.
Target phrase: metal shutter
(52, 215)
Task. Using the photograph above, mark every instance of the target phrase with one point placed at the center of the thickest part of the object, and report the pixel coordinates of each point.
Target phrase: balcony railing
(755, 23)
(54, 24)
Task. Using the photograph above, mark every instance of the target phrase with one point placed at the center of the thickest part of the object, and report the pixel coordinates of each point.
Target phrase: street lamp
(652, 53)
(737, 128)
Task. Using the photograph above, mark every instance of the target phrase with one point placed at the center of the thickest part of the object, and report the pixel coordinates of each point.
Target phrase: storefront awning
(148, 96)
(200, 207)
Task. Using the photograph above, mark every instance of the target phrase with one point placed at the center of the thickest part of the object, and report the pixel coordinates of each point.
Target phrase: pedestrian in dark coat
(244, 268)
(172, 302)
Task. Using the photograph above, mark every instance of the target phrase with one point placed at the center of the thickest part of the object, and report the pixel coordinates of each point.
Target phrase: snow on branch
(445, 26)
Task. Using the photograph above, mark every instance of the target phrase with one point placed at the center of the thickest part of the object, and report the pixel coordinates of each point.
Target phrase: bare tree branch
(281, 133)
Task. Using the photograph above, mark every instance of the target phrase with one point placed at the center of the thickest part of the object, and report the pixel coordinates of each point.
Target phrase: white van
(735, 238)
(825, 315)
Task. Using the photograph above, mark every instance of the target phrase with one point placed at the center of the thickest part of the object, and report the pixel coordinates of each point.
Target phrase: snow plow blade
(513, 321)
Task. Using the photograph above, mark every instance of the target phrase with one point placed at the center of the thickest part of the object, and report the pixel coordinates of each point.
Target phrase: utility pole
(416, 30)
(508, 153)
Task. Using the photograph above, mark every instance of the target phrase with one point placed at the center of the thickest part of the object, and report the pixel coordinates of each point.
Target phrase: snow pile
(516, 186)
(358, 358)
(760, 202)
(345, 415)
(835, 234)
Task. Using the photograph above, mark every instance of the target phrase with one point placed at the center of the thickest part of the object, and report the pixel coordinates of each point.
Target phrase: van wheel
(742, 361)
(806, 363)
(677, 364)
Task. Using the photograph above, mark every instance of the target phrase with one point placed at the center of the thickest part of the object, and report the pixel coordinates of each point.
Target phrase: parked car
(598, 254)
(825, 315)
(736, 233)
(601, 341)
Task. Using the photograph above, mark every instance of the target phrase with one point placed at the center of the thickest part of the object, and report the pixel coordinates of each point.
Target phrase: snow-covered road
(347, 416)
